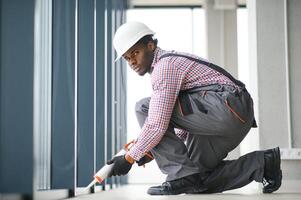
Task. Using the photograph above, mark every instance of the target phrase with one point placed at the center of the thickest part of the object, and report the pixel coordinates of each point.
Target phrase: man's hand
(145, 159)
(121, 166)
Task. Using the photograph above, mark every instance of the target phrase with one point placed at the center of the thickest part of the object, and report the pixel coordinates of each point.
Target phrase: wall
(275, 46)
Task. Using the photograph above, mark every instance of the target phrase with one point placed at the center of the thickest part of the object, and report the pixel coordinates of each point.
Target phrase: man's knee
(142, 105)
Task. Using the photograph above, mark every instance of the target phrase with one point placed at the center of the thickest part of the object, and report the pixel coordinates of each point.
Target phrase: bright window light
(180, 29)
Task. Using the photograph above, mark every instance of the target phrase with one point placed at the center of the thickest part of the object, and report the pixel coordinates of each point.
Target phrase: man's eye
(135, 53)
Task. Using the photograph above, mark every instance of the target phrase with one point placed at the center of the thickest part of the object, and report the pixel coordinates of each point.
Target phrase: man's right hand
(145, 159)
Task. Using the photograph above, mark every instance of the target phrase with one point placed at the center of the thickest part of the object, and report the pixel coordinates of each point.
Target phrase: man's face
(140, 57)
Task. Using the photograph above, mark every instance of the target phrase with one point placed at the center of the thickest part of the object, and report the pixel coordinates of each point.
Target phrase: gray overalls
(217, 117)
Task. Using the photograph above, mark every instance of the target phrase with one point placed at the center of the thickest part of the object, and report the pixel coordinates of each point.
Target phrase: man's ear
(151, 45)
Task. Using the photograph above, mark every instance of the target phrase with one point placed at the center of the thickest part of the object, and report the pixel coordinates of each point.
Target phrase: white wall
(275, 62)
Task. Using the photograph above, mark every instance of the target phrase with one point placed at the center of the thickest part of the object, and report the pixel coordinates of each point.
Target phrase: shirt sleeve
(182, 134)
(166, 83)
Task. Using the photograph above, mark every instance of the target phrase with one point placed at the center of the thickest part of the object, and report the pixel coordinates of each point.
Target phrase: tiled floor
(138, 192)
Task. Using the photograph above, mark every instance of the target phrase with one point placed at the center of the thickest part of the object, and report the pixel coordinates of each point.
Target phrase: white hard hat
(128, 34)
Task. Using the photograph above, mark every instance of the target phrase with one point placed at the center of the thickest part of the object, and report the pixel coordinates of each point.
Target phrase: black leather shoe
(272, 172)
(189, 184)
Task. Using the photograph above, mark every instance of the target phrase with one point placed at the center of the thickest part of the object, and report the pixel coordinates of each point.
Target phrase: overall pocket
(234, 110)
(239, 103)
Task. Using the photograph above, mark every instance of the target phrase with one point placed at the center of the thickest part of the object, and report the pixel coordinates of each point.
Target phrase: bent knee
(142, 105)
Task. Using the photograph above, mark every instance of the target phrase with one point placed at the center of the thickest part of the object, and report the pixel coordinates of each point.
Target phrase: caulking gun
(104, 172)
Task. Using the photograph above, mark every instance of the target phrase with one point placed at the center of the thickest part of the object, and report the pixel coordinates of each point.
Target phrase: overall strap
(210, 65)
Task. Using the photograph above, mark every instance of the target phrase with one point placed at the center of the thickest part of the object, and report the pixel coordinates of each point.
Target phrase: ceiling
(157, 3)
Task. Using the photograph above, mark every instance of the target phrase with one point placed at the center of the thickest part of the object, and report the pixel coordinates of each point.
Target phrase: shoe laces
(266, 182)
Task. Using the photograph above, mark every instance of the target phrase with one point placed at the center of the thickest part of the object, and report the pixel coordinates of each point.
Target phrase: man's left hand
(120, 166)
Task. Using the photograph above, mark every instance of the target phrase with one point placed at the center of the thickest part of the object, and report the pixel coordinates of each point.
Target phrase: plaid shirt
(169, 75)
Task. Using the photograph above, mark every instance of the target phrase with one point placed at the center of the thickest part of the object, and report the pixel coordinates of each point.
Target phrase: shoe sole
(183, 191)
(163, 193)
(277, 162)
(277, 159)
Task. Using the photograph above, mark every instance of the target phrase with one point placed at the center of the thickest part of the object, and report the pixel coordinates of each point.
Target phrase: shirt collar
(157, 54)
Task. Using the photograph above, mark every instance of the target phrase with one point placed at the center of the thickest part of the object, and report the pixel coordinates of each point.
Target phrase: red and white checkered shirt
(170, 75)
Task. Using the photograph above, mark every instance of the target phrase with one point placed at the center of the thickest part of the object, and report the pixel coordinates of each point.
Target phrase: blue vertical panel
(116, 80)
(104, 60)
(109, 81)
(85, 140)
(121, 136)
(100, 78)
(62, 150)
(16, 96)
(115, 88)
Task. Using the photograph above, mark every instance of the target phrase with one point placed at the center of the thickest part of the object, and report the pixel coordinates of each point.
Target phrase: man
(196, 115)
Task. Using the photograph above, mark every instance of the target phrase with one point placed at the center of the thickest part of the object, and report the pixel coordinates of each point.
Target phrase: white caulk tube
(103, 173)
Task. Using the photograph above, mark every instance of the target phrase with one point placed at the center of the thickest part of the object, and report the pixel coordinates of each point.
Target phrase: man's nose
(132, 62)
